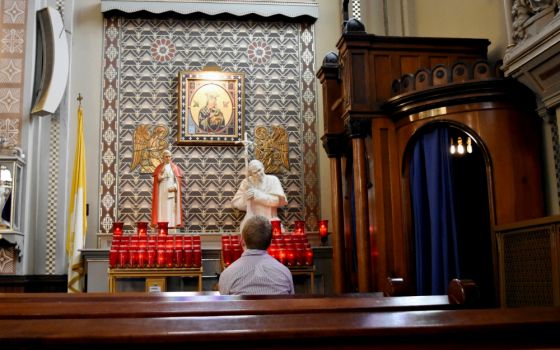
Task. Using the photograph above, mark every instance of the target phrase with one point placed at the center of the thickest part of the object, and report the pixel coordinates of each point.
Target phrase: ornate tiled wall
(140, 86)
(12, 55)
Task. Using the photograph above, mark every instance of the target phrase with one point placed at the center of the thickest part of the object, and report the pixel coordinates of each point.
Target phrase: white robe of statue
(259, 194)
(166, 198)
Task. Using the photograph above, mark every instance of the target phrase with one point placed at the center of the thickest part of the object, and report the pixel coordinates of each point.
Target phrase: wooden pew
(138, 305)
(259, 323)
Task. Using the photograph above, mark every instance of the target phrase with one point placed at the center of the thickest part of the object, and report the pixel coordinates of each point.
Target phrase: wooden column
(358, 130)
(334, 145)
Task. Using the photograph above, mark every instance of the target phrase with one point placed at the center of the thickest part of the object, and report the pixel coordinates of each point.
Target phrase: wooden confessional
(380, 94)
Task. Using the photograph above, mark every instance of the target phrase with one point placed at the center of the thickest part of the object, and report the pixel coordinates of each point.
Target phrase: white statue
(259, 194)
(166, 196)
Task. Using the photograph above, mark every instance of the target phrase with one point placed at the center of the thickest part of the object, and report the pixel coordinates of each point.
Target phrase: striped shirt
(256, 273)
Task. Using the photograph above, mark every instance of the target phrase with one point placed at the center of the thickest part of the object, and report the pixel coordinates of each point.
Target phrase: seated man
(256, 272)
(259, 194)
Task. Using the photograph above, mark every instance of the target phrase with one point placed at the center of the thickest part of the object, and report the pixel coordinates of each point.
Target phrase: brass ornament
(272, 148)
(148, 147)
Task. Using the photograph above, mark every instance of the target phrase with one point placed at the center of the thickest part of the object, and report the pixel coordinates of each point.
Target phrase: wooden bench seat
(170, 305)
(335, 329)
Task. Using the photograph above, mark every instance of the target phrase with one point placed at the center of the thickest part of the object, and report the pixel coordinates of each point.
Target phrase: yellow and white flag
(77, 221)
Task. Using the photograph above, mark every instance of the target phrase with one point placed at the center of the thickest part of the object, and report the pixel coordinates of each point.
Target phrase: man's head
(256, 170)
(166, 156)
(257, 232)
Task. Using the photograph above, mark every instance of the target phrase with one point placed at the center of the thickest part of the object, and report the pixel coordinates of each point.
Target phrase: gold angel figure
(149, 147)
(272, 148)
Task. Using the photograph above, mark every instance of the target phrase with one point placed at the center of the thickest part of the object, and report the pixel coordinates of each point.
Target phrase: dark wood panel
(483, 328)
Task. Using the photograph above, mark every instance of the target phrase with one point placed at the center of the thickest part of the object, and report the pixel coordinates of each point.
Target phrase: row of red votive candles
(290, 250)
(231, 248)
(154, 251)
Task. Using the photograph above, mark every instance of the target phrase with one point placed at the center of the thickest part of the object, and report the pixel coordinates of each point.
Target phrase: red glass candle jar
(113, 257)
(169, 257)
(133, 258)
(117, 228)
(188, 256)
(299, 227)
(291, 257)
(161, 258)
(151, 258)
(282, 256)
(197, 256)
(308, 257)
(142, 258)
(123, 258)
(142, 228)
(276, 227)
(162, 228)
(323, 230)
(179, 257)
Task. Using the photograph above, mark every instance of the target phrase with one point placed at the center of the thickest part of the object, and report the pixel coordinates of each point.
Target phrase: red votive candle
(117, 228)
(142, 228)
(169, 257)
(197, 256)
(142, 258)
(291, 257)
(282, 256)
(323, 230)
(113, 257)
(123, 258)
(179, 257)
(308, 256)
(160, 258)
(188, 255)
(276, 227)
(300, 256)
(133, 258)
(227, 254)
(162, 228)
(151, 257)
(299, 227)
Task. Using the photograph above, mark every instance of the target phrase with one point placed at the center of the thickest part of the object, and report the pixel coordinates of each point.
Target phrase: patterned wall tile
(140, 86)
(12, 41)
(7, 261)
(14, 11)
(9, 130)
(9, 100)
(12, 50)
(10, 70)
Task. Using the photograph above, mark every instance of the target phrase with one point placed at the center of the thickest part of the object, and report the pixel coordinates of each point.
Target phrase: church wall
(435, 18)
(140, 87)
(86, 77)
(328, 29)
(462, 19)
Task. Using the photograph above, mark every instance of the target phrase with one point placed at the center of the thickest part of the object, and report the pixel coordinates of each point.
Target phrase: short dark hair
(257, 232)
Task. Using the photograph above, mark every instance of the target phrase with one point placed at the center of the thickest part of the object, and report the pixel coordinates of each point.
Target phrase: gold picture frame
(211, 106)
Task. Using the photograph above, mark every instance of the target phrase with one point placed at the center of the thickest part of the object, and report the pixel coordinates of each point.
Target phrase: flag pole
(77, 220)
